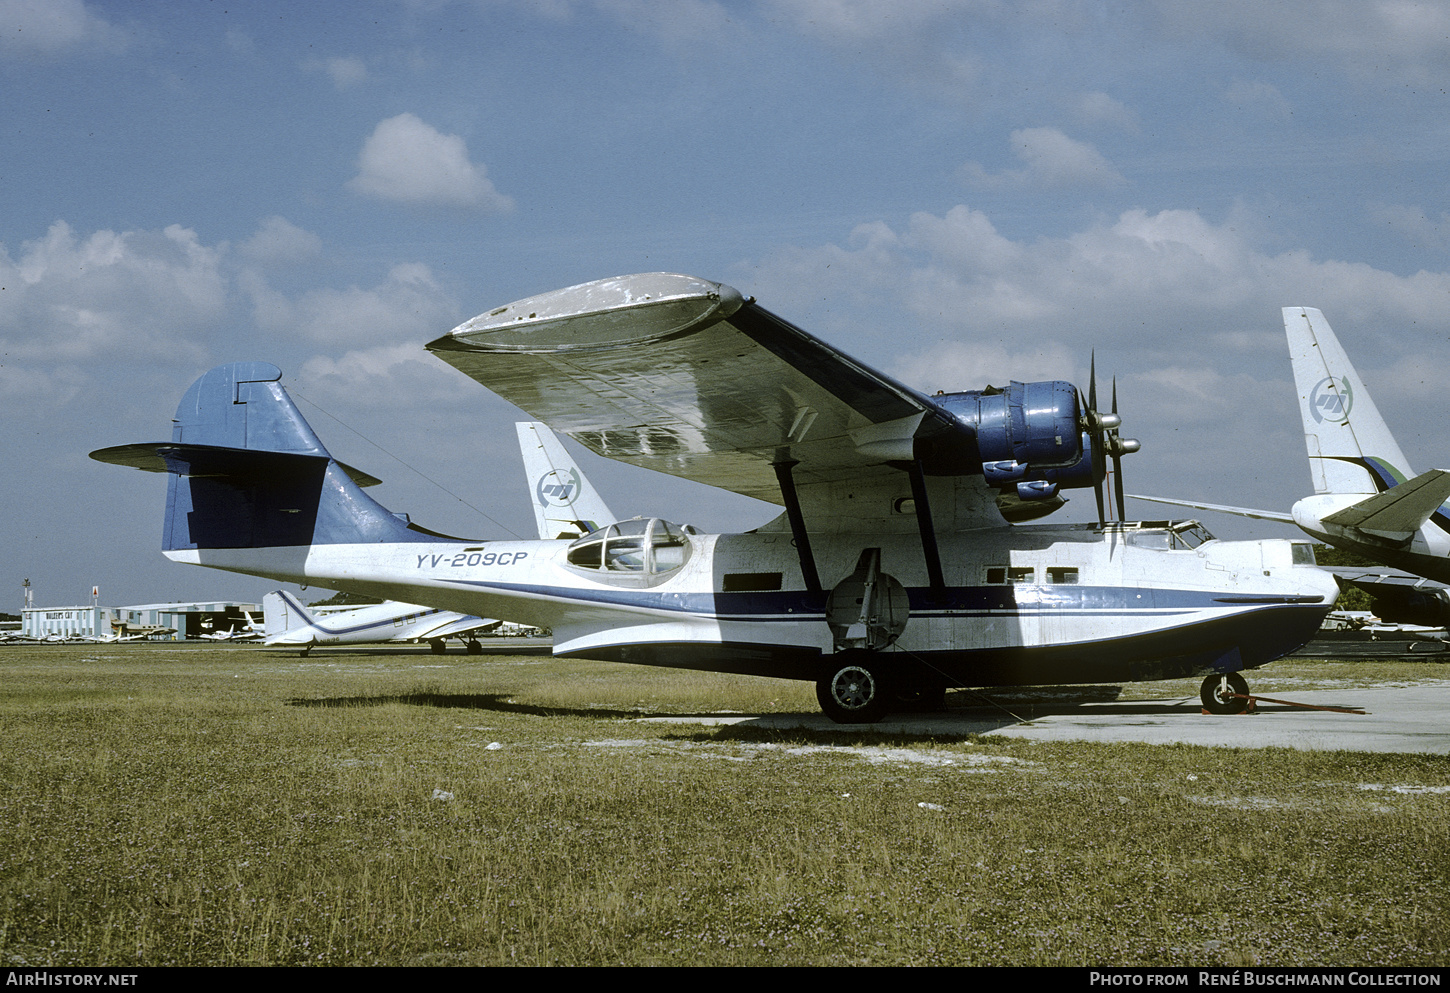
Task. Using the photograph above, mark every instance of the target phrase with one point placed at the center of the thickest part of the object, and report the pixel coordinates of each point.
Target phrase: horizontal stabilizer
(246, 471)
(1258, 515)
(210, 460)
(1402, 509)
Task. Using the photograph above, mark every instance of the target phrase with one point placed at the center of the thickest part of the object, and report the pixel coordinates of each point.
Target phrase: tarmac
(1406, 719)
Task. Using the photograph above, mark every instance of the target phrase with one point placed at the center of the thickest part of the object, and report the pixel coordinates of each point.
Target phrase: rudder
(1351, 449)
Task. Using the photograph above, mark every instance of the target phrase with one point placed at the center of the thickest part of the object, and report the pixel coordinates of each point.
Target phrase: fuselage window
(1061, 575)
(998, 575)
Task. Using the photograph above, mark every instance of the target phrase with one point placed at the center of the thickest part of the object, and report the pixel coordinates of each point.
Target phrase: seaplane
(909, 556)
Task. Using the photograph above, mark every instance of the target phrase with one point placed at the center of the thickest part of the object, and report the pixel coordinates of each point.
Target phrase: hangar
(189, 621)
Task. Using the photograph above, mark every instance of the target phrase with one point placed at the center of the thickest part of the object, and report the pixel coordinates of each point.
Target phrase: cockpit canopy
(644, 548)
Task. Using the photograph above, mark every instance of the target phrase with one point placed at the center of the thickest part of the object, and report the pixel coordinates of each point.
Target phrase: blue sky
(957, 192)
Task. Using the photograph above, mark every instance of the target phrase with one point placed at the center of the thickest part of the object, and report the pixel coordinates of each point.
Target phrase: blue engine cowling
(1029, 436)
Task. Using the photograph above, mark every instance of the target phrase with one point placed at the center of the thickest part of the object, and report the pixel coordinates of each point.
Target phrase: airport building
(170, 621)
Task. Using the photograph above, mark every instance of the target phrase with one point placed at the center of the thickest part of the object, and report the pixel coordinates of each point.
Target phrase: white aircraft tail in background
(565, 504)
(1366, 498)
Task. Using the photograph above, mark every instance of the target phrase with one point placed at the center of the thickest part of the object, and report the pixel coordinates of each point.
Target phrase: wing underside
(685, 377)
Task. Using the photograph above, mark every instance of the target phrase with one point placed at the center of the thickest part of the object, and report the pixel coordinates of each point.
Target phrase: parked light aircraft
(290, 623)
(250, 631)
(565, 506)
(891, 574)
(120, 637)
(1366, 498)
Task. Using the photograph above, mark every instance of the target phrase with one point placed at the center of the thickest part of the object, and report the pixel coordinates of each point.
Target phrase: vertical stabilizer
(248, 472)
(1350, 448)
(565, 504)
(282, 614)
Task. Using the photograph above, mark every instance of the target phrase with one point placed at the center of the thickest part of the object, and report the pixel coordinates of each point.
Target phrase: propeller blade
(1117, 460)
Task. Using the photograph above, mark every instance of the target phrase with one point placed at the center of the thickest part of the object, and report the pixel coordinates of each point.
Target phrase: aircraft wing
(685, 376)
(1399, 510)
(1258, 515)
(457, 626)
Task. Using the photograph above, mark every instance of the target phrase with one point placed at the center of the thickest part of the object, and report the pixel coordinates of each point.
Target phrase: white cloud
(1414, 224)
(1171, 288)
(48, 27)
(344, 70)
(1099, 109)
(136, 294)
(406, 160)
(278, 242)
(1051, 159)
(1255, 93)
(407, 306)
(1368, 38)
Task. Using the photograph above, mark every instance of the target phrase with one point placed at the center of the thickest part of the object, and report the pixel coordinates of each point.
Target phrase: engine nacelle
(1029, 436)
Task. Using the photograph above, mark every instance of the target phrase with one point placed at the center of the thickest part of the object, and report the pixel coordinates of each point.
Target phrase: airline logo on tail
(1331, 400)
(558, 488)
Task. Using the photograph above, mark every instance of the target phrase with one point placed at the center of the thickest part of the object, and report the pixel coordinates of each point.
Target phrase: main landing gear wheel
(854, 693)
(474, 648)
(437, 647)
(1224, 693)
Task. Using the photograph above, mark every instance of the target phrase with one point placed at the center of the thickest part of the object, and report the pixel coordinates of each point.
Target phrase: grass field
(226, 805)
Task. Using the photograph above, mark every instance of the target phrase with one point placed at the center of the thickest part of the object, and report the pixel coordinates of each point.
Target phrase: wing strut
(797, 522)
(929, 548)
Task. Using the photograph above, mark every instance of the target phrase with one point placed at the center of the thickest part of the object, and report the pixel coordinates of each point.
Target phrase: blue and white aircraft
(891, 574)
(1366, 499)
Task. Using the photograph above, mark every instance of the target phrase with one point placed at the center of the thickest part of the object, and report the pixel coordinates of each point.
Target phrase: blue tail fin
(248, 472)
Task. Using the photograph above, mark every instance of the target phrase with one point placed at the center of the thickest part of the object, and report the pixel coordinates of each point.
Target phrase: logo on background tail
(1331, 400)
(558, 488)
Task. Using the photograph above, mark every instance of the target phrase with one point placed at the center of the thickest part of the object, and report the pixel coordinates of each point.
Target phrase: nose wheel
(1225, 693)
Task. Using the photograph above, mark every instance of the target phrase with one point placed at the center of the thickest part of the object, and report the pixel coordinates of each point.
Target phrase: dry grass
(223, 805)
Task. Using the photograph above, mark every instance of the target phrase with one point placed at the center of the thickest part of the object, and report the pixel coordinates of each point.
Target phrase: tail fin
(282, 614)
(248, 472)
(1350, 448)
(565, 504)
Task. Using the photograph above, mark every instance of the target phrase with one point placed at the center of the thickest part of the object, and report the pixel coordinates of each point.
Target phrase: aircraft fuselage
(1023, 605)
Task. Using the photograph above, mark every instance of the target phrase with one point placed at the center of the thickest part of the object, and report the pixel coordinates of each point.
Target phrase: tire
(474, 648)
(437, 647)
(1218, 692)
(854, 691)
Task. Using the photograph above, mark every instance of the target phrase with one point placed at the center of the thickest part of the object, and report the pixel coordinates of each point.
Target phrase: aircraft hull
(1116, 612)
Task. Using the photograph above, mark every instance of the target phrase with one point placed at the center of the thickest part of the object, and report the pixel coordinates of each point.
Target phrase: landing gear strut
(1225, 693)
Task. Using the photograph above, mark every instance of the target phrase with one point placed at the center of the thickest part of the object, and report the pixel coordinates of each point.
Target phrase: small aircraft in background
(1366, 499)
(565, 505)
(288, 622)
(892, 573)
(250, 631)
(117, 637)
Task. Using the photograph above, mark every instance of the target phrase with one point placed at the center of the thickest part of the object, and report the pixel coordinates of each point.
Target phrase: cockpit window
(644, 547)
(1177, 535)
